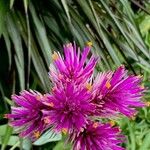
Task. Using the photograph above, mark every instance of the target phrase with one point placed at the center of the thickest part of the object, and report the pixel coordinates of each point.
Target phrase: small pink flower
(71, 107)
(97, 136)
(27, 117)
(73, 66)
(115, 92)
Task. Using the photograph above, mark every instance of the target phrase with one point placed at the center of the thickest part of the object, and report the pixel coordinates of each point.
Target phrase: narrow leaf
(48, 136)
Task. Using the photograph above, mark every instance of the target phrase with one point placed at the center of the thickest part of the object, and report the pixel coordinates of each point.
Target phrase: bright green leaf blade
(41, 36)
(11, 3)
(25, 5)
(48, 136)
(6, 137)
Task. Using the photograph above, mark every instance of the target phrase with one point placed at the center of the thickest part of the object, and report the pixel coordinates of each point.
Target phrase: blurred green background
(30, 30)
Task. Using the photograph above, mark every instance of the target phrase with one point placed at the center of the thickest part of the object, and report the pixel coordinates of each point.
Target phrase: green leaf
(25, 5)
(145, 25)
(15, 145)
(10, 102)
(19, 57)
(35, 56)
(12, 141)
(48, 136)
(64, 3)
(3, 130)
(3, 11)
(6, 138)
(26, 144)
(8, 45)
(145, 144)
(41, 36)
(62, 146)
(144, 67)
(11, 3)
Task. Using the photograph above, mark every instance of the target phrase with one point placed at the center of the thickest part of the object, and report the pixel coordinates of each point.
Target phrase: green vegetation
(30, 30)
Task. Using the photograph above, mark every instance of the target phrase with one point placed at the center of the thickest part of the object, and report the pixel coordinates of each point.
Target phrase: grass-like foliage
(30, 30)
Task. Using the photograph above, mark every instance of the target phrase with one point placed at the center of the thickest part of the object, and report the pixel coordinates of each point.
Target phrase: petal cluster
(71, 107)
(72, 67)
(27, 117)
(97, 136)
(77, 101)
(116, 92)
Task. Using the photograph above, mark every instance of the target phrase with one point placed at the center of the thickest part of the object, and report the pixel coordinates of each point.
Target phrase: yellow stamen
(89, 44)
(5, 116)
(55, 56)
(81, 129)
(140, 76)
(112, 122)
(68, 80)
(147, 104)
(38, 97)
(51, 104)
(88, 86)
(95, 124)
(108, 85)
(60, 76)
(53, 89)
(47, 120)
(119, 129)
(69, 45)
(142, 87)
(133, 117)
(36, 134)
(64, 130)
(45, 97)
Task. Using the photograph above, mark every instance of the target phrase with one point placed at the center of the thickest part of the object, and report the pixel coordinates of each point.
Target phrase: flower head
(117, 92)
(27, 117)
(73, 66)
(76, 101)
(97, 136)
(71, 106)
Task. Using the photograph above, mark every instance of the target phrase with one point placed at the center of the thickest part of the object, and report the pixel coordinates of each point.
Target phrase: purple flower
(27, 117)
(115, 92)
(73, 66)
(97, 136)
(76, 101)
(70, 108)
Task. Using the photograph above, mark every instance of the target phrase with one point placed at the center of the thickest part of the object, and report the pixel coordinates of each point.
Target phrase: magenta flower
(117, 92)
(70, 108)
(27, 117)
(97, 136)
(77, 100)
(73, 66)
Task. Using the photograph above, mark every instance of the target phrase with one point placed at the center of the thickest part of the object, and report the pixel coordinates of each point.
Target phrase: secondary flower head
(97, 136)
(27, 117)
(73, 66)
(117, 92)
(70, 108)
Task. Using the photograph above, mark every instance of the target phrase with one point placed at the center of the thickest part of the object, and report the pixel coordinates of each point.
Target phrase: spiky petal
(73, 67)
(27, 117)
(117, 92)
(97, 136)
(71, 106)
